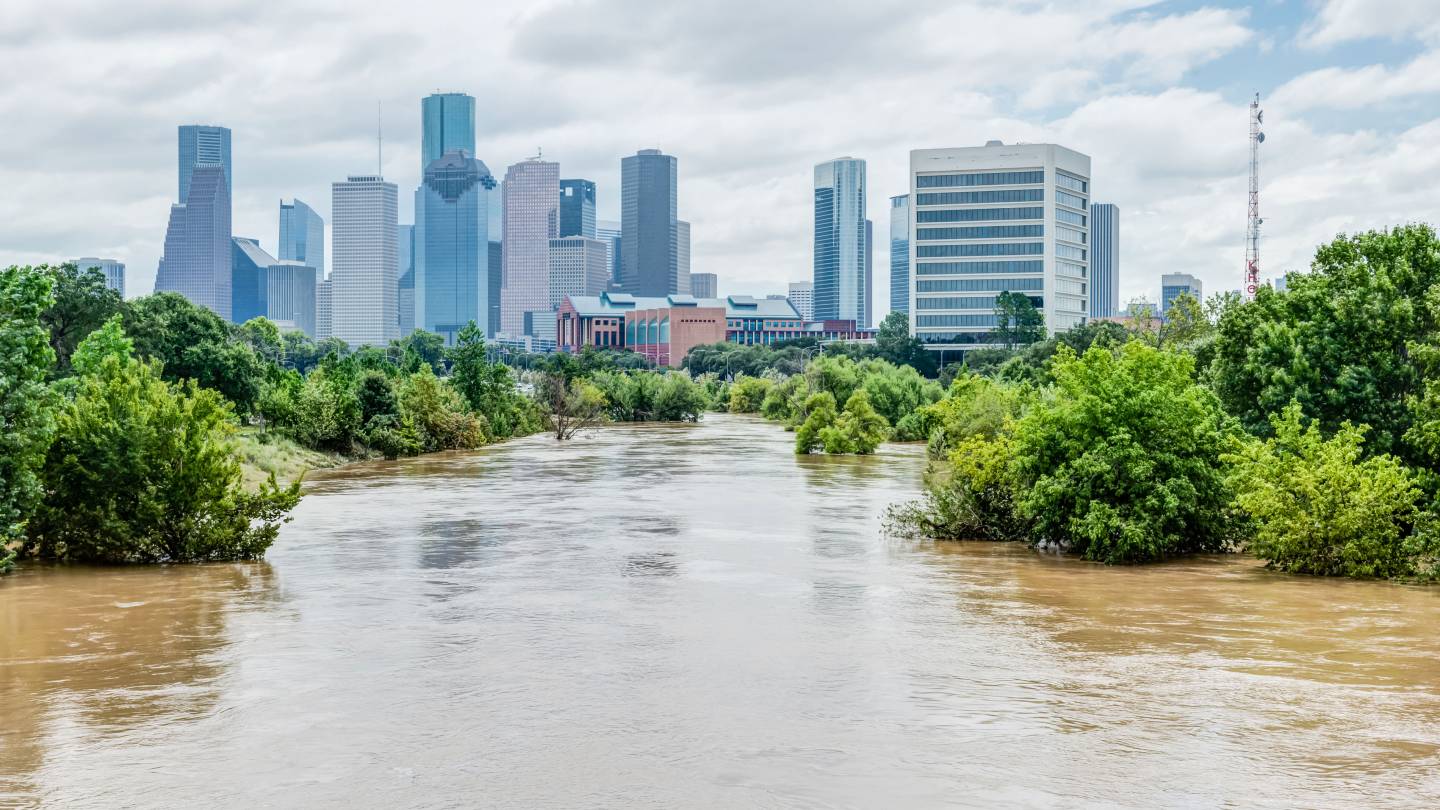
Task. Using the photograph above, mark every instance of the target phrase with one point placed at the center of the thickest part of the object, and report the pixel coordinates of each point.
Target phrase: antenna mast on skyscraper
(1252, 234)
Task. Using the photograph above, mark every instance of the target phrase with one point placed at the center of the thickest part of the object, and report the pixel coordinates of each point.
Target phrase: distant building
(197, 258)
(608, 231)
(1280, 283)
(452, 246)
(1174, 285)
(649, 261)
(900, 253)
(991, 219)
(577, 267)
(1104, 260)
(867, 314)
(664, 329)
(704, 285)
(364, 273)
(447, 123)
(405, 289)
(531, 219)
(290, 296)
(302, 235)
(838, 331)
(202, 145)
(802, 297)
(249, 279)
(682, 256)
(323, 309)
(577, 208)
(114, 271)
(840, 258)
(496, 257)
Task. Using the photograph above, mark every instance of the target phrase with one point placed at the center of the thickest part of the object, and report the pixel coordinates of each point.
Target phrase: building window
(1070, 217)
(1066, 198)
(1063, 268)
(968, 268)
(981, 232)
(979, 214)
(1070, 252)
(955, 320)
(1071, 182)
(979, 284)
(1004, 249)
(1010, 195)
(979, 179)
(1069, 234)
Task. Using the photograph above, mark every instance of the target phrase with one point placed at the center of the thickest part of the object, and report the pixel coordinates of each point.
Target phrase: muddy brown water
(690, 616)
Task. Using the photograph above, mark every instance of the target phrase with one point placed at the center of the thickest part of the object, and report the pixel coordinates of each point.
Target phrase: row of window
(1064, 268)
(1070, 252)
(1070, 217)
(981, 232)
(966, 302)
(1003, 249)
(955, 320)
(1071, 286)
(1071, 182)
(1009, 195)
(647, 332)
(1070, 234)
(1066, 198)
(967, 338)
(978, 179)
(979, 214)
(951, 268)
(979, 284)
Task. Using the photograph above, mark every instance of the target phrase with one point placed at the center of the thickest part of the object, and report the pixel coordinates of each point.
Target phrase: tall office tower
(290, 290)
(840, 240)
(249, 279)
(1174, 285)
(364, 261)
(496, 262)
(114, 271)
(900, 253)
(452, 245)
(1104, 260)
(705, 285)
(577, 267)
(577, 208)
(196, 262)
(302, 235)
(802, 297)
(405, 299)
(531, 220)
(203, 145)
(608, 231)
(324, 310)
(866, 318)
(447, 123)
(649, 264)
(682, 255)
(991, 219)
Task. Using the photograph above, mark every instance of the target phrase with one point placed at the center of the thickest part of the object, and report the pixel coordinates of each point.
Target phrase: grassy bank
(262, 453)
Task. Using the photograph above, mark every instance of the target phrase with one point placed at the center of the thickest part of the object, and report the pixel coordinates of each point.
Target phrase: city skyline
(1165, 126)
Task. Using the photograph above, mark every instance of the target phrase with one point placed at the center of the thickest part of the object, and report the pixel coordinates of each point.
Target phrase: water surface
(690, 616)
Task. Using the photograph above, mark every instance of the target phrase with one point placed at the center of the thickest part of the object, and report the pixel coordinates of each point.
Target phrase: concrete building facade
(364, 276)
(531, 219)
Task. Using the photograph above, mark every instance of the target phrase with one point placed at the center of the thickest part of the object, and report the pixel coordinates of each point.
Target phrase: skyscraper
(452, 246)
(290, 290)
(197, 259)
(802, 297)
(577, 267)
(447, 123)
(649, 264)
(982, 226)
(324, 311)
(114, 271)
(900, 253)
(249, 279)
(577, 208)
(1104, 260)
(608, 231)
(1174, 285)
(532, 218)
(302, 235)
(682, 255)
(203, 145)
(869, 299)
(405, 242)
(705, 285)
(364, 275)
(840, 244)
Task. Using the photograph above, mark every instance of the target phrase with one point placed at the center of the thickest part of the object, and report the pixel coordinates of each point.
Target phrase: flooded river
(690, 616)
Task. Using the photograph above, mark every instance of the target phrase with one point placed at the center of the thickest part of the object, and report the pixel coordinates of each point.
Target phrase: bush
(747, 394)
(680, 399)
(438, 413)
(858, 430)
(820, 415)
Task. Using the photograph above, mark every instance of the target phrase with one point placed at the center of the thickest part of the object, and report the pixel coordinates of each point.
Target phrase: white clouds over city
(748, 95)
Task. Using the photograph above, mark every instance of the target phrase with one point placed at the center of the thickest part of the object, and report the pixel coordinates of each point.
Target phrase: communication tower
(1252, 233)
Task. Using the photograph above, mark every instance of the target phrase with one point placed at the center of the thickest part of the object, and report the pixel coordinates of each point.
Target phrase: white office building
(114, 271)
(802, 297)
(364, 261)
(579, 267)
(290, 296)
(991, 219)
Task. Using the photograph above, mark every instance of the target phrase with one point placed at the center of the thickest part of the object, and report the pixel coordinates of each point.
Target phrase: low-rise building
(666, 329)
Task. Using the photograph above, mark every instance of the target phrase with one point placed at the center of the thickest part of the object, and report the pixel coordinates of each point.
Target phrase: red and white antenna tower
(1252, 233)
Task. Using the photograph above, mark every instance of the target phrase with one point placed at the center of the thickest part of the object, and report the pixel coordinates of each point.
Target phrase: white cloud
(1339, 21)
(1355, 88)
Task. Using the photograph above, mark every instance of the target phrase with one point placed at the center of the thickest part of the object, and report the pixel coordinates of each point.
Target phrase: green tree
(194, 343)
(81, 302)
(263, 336)
(897, 392)
(141, 472)
(570, 404)
(1185, 324)
(27, 407)
(679, 399)
(747, 394)
(438, 413)
(1319, 507)
(893, 342)
(420, 348)
(820, 415)
(1017, 321)
(1121, 463)
(858, 429)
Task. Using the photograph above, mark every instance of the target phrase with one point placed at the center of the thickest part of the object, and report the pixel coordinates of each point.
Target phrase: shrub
(820, 410)
(747, 394)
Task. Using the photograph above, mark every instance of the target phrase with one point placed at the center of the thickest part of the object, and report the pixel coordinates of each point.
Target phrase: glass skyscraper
(1104, 260)
(577, 208)
(447, 123)
(249, 282)
(302, 235)
(197, 258)
(1174, 285)
(532, 219)
(290, 293)
(900, 253)
(201, 144)
(682, 255)
(364, 261)
(452, 246)
(649, 260)
(608, 231)
(840, 249)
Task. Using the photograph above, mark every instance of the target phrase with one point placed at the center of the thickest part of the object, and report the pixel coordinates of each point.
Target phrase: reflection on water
(667, 616)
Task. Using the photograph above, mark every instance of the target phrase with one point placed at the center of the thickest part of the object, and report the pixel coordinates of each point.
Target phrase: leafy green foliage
(748, 393)
(27, 407)
(859, 429)
(1017, 321)
(820, 416)
(81, 302)
(193, 343)
(894, 344)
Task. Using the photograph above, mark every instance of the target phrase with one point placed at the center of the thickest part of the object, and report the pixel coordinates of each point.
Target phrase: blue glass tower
(249, 271)
(452, 245)
(200, 144)
(649, 258)
(447, 123)
(197, 258)
(302, 235)
(577, 208)
(841, 249)
(900, 253)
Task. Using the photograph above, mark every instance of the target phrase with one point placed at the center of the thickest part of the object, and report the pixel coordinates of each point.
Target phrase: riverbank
(265, 452)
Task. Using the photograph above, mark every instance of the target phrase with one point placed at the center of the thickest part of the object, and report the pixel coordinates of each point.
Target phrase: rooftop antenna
(1252, 231)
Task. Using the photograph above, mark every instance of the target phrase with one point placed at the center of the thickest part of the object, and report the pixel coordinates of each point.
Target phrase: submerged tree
(570, 404)
(27, 418)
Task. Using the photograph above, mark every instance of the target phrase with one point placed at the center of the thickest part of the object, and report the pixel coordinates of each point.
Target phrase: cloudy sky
(749, 95)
